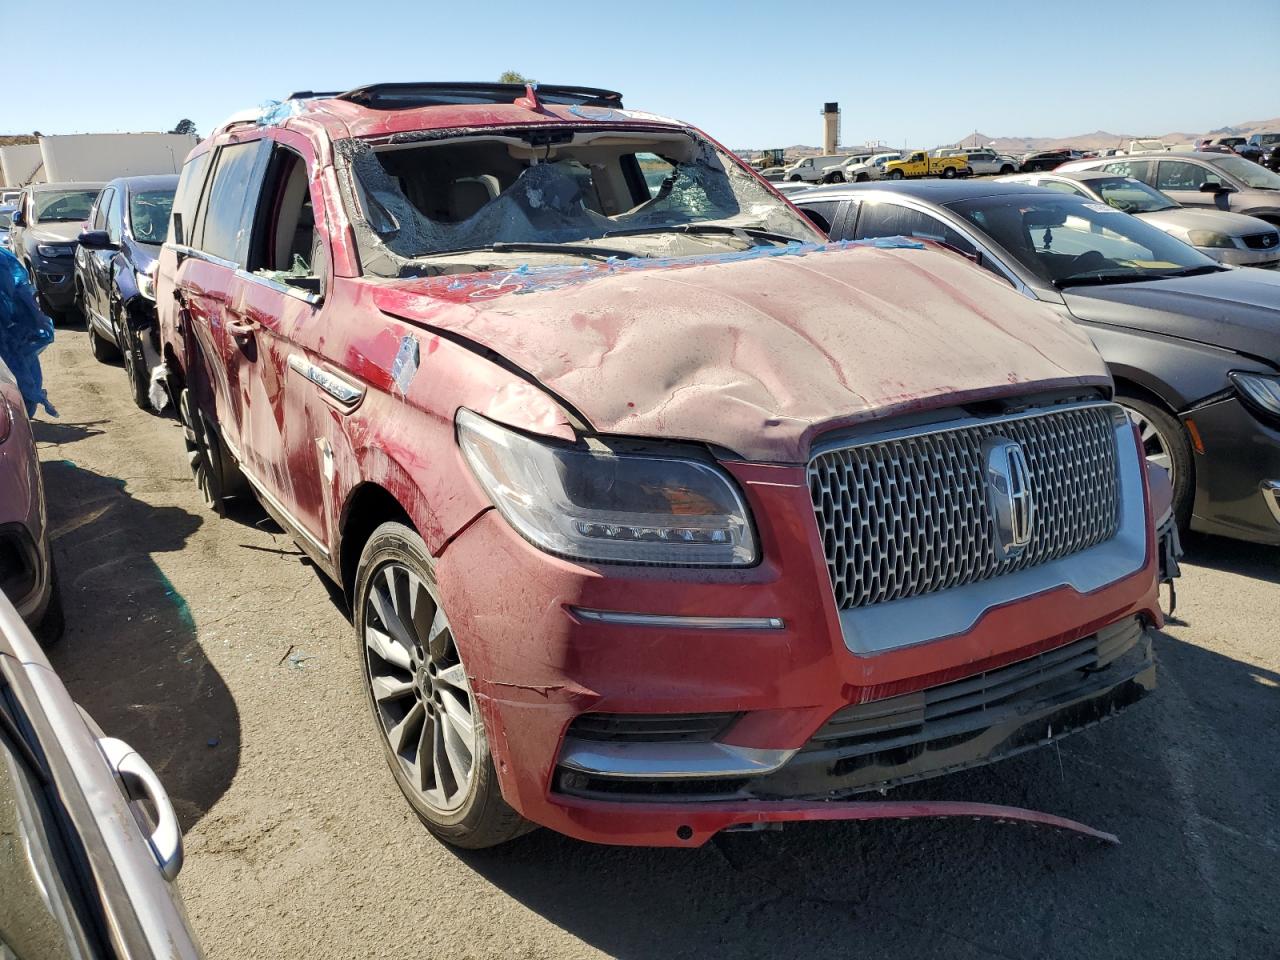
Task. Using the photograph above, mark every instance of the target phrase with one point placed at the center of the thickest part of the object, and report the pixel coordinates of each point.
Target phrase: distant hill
(1098, 140)
(1102, 139)
(7, 140)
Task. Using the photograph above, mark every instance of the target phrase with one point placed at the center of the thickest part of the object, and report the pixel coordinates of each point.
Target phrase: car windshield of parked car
(1249, 173)
(1071, 242)
(55, 205)
(1131, 196)
(149, 215)
(623, 191)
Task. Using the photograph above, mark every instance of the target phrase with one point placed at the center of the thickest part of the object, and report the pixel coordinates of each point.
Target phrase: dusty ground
(216, 651)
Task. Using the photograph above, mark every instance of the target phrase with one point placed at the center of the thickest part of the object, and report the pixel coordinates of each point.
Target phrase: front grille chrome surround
(908, 514)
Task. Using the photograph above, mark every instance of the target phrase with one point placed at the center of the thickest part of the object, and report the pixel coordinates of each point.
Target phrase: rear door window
(1183, 175)
(892, 220)
(232, 197)
(187, 197)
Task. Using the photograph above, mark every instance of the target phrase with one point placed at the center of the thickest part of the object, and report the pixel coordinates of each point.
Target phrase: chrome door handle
(141, 783)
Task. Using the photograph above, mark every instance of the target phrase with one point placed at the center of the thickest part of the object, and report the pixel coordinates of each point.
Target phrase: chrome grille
(1262, 241)
(908, 516)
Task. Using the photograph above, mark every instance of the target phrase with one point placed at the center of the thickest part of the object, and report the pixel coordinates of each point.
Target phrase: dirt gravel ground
(212, 647)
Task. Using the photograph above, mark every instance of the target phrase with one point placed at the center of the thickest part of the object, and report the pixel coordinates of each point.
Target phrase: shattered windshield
(588, 191)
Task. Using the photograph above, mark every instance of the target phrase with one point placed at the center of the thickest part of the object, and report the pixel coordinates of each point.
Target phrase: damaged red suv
(657, 514)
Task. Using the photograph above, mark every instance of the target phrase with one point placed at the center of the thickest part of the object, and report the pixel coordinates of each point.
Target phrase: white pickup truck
(872, 168)
(811, 169)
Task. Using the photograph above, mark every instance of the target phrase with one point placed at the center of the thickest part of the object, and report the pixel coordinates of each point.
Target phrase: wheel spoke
(422, 609)
(386, 648)
(424, 764)
(459, 716)
(390, 618)
(407, 731)
(439, 636)
(455, 677)
(459, 753)
(446, 776)
(390, 689)
(1161, 460)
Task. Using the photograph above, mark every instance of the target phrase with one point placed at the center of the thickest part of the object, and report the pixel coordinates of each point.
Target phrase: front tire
(896, 175)
(1165, 443)
(794, 178)
(1006, 170)
(103, 350)
(135, 366)
(430, 728)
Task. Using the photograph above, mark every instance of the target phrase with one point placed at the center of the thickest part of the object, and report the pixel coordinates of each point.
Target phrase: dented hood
(757, 353)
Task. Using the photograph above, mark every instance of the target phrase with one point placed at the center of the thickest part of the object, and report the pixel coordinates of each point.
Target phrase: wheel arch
(368, 506)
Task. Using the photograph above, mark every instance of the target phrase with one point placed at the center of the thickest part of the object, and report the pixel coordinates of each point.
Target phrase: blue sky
(750, 73)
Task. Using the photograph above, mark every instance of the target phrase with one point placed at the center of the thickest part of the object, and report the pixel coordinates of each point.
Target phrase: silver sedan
(1230, 238)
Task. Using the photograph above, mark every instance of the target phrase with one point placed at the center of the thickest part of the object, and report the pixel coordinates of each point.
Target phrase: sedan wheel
(1165, 444)
(420, 695)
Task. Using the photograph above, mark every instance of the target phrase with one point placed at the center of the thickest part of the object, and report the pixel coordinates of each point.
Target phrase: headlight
(55, 249)
(606, 506)
(1263, 391)
(146, 284)
(1209, 238)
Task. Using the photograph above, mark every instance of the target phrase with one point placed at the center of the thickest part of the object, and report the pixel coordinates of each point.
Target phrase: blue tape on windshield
(24, 332)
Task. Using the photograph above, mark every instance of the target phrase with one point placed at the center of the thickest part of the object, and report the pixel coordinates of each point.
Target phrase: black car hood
(1235, 309)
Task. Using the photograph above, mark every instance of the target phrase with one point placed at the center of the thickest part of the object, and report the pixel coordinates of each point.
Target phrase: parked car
(43, 233)
(1045, 160)
(115, 283)
(87, 870)
(10, 196)
(920, 163)
(6, 217)
(1238, 145)
(838, 173)
(1147, 146)
(1226, 237)
(27, 576)
(773, 174)
(1216, 180)
(811, 169)
(676, 433)
(870, 169)
(1194, 347)
(985, 162)
(1265, 142)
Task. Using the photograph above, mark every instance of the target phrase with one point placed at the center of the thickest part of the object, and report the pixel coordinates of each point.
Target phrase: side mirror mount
(97, 240)
(1215, 186)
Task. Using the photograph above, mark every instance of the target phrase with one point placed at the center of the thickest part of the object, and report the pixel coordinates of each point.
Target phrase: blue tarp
(24, 332)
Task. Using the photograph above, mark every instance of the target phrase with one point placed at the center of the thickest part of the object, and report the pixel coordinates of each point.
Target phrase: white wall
(103, 156)
(20, 163)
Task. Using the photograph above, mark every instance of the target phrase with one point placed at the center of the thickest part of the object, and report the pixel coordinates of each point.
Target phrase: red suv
(657, 514)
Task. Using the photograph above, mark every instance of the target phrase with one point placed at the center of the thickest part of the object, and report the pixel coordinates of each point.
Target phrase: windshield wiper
(578, 249)
(1190, 272)
(706, 228)
(1104, 278)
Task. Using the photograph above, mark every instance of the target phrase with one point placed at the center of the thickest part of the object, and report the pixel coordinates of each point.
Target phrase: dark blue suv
(115, 273)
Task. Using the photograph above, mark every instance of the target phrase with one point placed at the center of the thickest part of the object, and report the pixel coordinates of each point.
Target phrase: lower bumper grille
(1263, 241)
(650, 728)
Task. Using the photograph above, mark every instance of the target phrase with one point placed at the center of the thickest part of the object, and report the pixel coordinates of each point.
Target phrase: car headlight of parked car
(589, 504)
(1209, 238)
(146, 283)
(55, 249)
(1260, 390)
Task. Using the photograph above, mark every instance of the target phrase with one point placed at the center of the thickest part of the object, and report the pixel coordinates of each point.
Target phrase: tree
(511, 76)
(185, 127)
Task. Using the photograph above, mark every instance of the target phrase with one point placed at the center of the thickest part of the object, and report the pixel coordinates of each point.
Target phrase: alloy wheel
(1155, 445)
(420, 690)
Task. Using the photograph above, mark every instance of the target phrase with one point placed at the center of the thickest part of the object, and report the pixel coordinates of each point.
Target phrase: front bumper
(55, 281)
(1235, 474)
(1237, 257)
(537, 663)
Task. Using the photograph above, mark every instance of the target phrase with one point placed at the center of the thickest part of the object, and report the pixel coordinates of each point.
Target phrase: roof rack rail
(312, 94)
(406, 96)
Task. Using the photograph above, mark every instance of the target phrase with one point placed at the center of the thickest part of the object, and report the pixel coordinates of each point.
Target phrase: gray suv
(43, 234)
